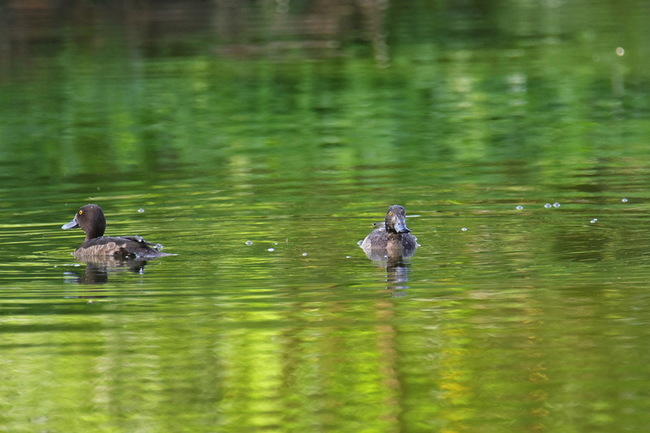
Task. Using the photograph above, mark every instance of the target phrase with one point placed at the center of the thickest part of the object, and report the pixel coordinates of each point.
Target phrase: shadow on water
(98, 269)
(397, 269)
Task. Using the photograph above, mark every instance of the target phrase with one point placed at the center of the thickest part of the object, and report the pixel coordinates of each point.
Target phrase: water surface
(514, 134)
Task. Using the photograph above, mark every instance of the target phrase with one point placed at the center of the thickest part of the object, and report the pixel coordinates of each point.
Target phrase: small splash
(304, 254)
(548, 205)
(249, 243)
(624, 200)
(141, 210)
(556, 204)
(270, 250)
(620, 51)
(464, 229)
(593, 221)
(347, 257)
(519, 207)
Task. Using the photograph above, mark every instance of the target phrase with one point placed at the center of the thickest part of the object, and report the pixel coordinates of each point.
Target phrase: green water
(260, 149)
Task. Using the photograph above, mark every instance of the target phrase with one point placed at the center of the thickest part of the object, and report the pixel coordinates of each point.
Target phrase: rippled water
(520, 153)
(272, 317)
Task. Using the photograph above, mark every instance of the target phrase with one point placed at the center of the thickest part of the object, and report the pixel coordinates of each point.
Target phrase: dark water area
(259, 141)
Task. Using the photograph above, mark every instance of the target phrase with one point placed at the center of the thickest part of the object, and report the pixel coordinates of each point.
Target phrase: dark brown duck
(91, 220)
(392, 238)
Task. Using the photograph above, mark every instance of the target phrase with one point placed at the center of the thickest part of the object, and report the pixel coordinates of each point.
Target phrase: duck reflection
(390, 244)
(98, 269)
(397, 268)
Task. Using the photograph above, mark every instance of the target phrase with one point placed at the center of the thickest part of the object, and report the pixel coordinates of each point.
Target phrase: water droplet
(304, 254)
(556, 204)
(270, 250)
(519, 207)
(141, 210)
(464, 229)
(249, 243)
(548, 205)
(620, 51)
(595, 220)
(347, 257)
(624, 200)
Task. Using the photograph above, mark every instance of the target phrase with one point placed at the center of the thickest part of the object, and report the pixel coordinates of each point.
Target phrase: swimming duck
(91, 220)
(392, 238)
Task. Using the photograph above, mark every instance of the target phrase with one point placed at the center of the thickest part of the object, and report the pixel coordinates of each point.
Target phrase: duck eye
(390, 213)
(81, 212)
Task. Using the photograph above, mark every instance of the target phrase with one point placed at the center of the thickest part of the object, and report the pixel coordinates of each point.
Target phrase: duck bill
(71, 225)
(400, 226)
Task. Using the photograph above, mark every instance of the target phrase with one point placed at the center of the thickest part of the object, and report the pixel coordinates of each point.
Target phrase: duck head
(396, 220)
(90, 219)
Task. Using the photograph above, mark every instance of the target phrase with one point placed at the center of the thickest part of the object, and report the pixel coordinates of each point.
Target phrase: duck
(392, 238)
(90, 218)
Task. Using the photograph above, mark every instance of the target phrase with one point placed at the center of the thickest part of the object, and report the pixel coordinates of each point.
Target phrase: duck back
(119, 247)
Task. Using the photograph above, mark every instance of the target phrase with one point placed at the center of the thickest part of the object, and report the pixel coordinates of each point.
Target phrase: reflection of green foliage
(548, 99)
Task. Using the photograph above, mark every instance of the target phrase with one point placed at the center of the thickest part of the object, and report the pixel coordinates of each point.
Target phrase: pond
(259, 142)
